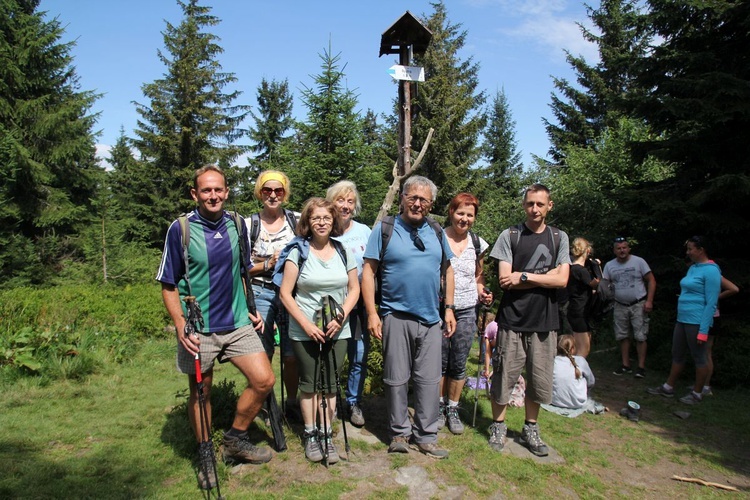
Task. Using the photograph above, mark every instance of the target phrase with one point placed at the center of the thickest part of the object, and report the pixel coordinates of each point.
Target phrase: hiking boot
(333, 454)
(399, 444)
(453, 420)
(640, 373)
(691, 398)
(429, 449)
(355, 415)
(312, 446)
(241, 450)
(623, 370)
(441, 416)
(498, 435)
(206, 466)
(661, 391)
(530, 437)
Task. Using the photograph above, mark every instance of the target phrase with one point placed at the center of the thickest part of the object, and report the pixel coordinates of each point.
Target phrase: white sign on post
(409, 73)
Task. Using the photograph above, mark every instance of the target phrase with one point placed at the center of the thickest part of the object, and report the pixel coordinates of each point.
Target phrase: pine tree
(190, 120)
(582, 113)
(448, 101)
(272, 122)
(330, 144)
(47, 160)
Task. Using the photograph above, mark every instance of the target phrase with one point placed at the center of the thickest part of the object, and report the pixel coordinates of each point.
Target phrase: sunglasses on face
(279, 192)
(417, 240)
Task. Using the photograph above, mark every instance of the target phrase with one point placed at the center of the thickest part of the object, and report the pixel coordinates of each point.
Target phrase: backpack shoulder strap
(555, 240)
(386, 230)
(185, 230)
(254, 228)
(475, 241)
(291, 219)
(515, 236)
(341, 251)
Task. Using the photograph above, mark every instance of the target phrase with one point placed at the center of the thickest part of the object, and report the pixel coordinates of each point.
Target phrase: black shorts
(579, 324)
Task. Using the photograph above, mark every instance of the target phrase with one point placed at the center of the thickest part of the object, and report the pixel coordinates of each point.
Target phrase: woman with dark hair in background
(699, 294)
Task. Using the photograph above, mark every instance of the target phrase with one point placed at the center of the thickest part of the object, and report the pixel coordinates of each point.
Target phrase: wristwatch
(524, 277)
(450, 306)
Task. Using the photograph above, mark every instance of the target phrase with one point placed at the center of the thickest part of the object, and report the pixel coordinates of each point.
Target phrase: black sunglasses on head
(620, 239)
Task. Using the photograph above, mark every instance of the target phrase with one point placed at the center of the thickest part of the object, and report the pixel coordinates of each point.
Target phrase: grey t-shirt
(627, 277)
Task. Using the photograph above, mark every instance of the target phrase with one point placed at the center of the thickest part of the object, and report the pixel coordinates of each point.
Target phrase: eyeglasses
(417, 240)
(322, 220)
(619, 239)
(411, 200)
(279, 192)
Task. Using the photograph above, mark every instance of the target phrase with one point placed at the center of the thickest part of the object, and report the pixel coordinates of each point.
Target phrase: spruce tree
(448, 101)
(330, 144)
(583, 112)
(47, 160)
(190, 120)
(272, 122)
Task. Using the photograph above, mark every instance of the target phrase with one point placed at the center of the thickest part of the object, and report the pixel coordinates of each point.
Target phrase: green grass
(122, 433)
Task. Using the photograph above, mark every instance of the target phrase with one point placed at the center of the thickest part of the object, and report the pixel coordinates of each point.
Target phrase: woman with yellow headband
(269, 231)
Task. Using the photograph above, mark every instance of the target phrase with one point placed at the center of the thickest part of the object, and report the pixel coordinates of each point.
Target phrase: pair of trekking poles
(331, 311)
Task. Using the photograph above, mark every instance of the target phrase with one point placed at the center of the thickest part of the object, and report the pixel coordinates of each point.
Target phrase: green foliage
(584, 112)
(272, 122)
(190, 120)
(47, 149)
(448, 101)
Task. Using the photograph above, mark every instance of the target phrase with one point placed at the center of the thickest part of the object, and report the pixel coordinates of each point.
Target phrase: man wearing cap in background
(635, 287)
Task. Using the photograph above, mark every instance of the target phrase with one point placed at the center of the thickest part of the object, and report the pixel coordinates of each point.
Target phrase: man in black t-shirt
(533, 263)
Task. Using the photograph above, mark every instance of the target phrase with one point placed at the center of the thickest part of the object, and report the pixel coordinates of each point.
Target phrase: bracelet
(265, 264)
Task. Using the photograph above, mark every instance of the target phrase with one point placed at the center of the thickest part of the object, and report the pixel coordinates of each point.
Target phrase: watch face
(524, 277)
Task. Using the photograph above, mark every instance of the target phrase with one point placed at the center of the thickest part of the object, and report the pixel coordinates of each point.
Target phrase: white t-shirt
(355, 240)
(464, 266)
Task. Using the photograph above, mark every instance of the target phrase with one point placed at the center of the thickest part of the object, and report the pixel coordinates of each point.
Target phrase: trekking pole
(281, 374)
(194, 325)
(274, 415)
(339, 399)
(480, 333)
(323, 404)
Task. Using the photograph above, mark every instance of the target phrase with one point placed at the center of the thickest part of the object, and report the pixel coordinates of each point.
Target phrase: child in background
(488, 346)
(572, 376)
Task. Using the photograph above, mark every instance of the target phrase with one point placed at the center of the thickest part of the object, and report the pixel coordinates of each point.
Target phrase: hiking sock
(698, 397)
(236, 433)
(309, 429)
(667, 387)
(442, 400)
(452, 403)
(528, 422)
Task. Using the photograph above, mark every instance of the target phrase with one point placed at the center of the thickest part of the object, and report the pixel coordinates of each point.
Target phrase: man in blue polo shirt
(228, 335)
(408, 321)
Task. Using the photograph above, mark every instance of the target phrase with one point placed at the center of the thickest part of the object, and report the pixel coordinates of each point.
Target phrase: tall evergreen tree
(499, 182)
(47, 160)
(191, 120)
(448, 102)
(582, 113)
(330, 144)
(272, 122)
(699, 105)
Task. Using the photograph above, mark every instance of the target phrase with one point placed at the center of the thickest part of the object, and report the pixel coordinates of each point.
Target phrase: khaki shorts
(627, 316)
(221, 345)
(515, 350)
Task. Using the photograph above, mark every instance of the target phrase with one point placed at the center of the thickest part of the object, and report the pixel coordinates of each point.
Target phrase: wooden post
(404, 132)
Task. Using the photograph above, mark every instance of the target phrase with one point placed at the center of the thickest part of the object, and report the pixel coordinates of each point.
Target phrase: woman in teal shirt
(699, 293)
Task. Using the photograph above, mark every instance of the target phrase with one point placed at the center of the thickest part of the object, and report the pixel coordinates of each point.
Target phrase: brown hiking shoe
(430, 449)
(241, 450)
(399, 444)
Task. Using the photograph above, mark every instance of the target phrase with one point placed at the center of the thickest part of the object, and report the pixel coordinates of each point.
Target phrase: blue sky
(517, 43)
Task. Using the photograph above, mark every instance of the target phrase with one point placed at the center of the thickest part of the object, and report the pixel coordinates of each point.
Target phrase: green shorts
(308, 353)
